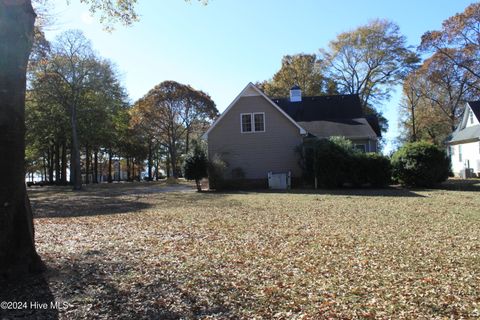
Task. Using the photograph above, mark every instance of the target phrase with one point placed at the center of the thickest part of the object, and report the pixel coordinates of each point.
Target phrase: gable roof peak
(247, 91)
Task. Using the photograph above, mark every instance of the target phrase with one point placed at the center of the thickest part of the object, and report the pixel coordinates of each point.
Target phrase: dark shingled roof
(322, 108)
(475, 106)
(352, 128)
(373, 122)
(333, 108)
(467, 134)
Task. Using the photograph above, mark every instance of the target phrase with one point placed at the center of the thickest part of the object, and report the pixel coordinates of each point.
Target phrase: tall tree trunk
(95, 166)
(128, 169)
(110, 180)
(87, 164)
(156, 166)
(101, 168)
(150, 161)
(187, 140)
(72, 160)
(173, 161)
(76, 166)
(167, 164)
(44, 174)
(57, 162)
(139, 174)
(63, 179)
(414, 129)
(17, 244)
(119, 177)
(50, 164)
(133, 168)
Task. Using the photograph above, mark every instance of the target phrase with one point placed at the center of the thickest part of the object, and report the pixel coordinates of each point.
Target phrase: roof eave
(455, 142)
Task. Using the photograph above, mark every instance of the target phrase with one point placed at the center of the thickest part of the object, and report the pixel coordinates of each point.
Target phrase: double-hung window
(246, 119)
(252, 122)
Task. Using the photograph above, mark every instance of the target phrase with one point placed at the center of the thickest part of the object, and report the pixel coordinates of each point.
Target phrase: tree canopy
(304, 70)
(170, 113)
(369, 61)
(458, 41)
(435, 94)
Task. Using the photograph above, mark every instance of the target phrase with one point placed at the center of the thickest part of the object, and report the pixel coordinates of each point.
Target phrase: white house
(464, 143)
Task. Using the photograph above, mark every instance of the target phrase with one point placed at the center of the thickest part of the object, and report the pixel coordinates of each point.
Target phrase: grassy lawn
(130, 252)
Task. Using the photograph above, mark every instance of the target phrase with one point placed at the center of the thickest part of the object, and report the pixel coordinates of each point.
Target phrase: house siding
(468, 122)
(260, 152)
(470, 156)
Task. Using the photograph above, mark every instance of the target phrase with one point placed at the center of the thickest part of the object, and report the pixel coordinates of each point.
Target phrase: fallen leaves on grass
(266, 255)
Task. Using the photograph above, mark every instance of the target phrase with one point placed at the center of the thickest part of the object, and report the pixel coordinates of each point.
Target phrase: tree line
(368, 61)
(437, 78)
(78, 116)
(18, 37)
(436, 91)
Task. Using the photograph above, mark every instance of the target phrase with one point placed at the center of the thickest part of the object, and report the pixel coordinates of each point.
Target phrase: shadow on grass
(96, 288)
(28, 297)
(391, 191)
(84, 205)
(61, 201)
(110, 190)
(460, 185)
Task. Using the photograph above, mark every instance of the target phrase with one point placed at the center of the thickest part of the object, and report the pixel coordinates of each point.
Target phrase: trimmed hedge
(371, 168)
(420, 164)
(331, 163)
(335, 162)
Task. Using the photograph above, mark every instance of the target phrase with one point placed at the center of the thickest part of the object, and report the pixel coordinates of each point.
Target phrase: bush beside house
(335, 162)
(420, 164)
(216, 172)
(372, 169)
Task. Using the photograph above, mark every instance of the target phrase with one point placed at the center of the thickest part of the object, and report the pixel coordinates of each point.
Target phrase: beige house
(256, 134)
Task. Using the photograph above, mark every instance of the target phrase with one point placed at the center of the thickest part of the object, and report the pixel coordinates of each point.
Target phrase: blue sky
(221, 47)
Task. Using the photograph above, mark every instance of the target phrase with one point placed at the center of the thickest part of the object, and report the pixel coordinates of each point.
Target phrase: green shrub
(420, 164)
(196, 165)
(216, 172)
(373, 169)
(335, 162)
(328, 160)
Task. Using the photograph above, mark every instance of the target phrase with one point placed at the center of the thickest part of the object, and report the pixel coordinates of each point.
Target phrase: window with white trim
(246, 122)
(259, 120)
(252, 122)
